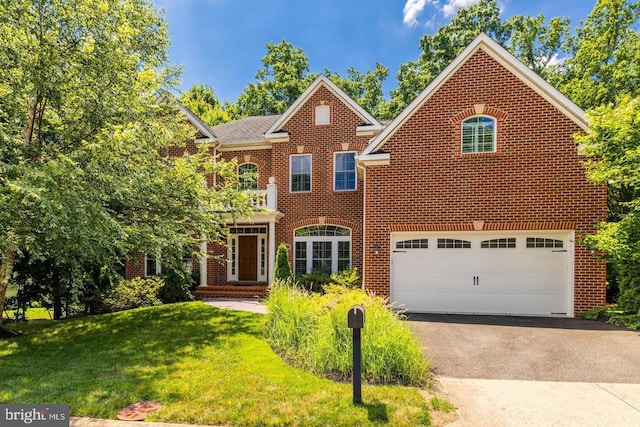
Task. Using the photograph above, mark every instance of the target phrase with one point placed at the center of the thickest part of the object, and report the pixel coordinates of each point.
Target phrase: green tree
(364, 88)
(84, 174)
(538, 44)
(605, 56)
(202, 100)
(282, 80)
(283, 268)
(613, 147)
(441, 48)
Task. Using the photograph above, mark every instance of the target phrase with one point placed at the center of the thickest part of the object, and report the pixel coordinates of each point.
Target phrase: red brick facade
(534, 180)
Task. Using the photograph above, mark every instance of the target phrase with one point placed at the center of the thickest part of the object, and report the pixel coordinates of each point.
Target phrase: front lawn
(207, 366)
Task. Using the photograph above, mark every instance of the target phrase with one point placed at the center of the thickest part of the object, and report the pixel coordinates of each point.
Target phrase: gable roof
(197, 122)
(321, 81)
(502, 56)
(248, 129)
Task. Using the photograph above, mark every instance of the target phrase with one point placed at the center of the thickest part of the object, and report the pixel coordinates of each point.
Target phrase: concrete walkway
(240, 304)
(496, 403)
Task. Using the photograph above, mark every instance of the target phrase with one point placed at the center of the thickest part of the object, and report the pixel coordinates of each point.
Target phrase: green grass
(207, 366)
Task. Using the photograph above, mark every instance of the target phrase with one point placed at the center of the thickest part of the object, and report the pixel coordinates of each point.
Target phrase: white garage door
(528, 273)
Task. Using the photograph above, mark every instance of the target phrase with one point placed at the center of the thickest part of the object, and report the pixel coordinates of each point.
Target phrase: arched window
(321, 247)
(248, 176)
(479, 135)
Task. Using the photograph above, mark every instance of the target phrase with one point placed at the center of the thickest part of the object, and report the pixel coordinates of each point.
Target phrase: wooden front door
(248, 258)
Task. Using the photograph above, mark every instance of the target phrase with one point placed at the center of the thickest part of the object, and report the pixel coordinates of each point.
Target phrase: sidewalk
(496, 403)
(240, 304)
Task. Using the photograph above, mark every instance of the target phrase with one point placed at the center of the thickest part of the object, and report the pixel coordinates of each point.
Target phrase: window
(248, 176)
(479, 135)
(300, 167)
(413, 244)
(324, 247)
(152, 266)
(539, 242)
(322, 115)
(509, 242)
(344, 166)
(453, 244)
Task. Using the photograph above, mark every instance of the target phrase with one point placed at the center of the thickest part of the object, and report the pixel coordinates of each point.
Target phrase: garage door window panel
(506, 243)
(453, 244)
(539, 242)
(413, 244)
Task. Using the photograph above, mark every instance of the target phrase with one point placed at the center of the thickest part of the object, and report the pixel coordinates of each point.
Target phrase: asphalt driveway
(512, 371)
(528, 348)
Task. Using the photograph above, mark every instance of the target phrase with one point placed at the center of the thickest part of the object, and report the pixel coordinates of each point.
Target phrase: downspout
(361, 167)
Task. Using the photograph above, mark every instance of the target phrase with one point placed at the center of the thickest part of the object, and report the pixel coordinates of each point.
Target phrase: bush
(134, 293)
(283, 268)
(177, 285)
(629, 297)
(315, 281)
(310, 330)
(348, 278)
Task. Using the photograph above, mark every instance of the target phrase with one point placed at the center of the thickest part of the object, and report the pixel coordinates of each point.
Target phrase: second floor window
(248, 176)
(479, 135)
(344, 175)
(300, 168)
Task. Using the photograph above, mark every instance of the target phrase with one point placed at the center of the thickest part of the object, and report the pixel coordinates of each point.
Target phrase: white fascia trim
(500, 54)
(245, 145)
(195, 120)
(369, 130)
(321, 80)
(376, 159)
(277, 137)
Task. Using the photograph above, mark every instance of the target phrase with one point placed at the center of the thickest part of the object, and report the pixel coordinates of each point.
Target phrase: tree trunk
(57, 292)
(6, 268)
(31, 118)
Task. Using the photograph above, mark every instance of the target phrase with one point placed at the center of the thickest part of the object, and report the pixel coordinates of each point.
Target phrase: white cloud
(411, 11)
(451, 6)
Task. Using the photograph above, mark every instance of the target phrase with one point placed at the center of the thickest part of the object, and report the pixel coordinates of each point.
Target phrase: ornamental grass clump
(310, 331)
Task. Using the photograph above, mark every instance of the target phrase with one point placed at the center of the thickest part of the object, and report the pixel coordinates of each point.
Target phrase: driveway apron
(512, 371)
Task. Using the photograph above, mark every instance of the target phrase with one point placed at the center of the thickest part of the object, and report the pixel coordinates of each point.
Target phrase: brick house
(472, 200)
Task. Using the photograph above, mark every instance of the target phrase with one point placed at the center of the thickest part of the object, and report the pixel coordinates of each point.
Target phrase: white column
(272, 250)
(203, 261)
(272, 194)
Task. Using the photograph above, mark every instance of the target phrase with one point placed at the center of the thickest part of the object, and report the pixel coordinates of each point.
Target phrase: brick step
(230, 291)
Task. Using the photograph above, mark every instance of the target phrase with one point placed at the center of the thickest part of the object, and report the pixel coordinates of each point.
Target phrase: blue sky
(220, 43)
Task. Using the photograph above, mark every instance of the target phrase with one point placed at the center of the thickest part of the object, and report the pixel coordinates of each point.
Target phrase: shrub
(348, 278)
(311, 331)
(177, 285)
(134, 293)
(315, 280)
(283, 268)
(629, 297)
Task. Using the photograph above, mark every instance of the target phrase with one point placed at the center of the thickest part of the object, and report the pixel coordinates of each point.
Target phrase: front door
(248, 258)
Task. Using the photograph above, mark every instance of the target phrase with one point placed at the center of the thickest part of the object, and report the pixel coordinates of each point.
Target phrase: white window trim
(319, 113)
(310, 173)
(308, 240)
(355, 188)
(495, 134)
(158, 266)
(255, 178)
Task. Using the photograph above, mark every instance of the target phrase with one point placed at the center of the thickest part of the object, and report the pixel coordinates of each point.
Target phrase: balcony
(265, 199)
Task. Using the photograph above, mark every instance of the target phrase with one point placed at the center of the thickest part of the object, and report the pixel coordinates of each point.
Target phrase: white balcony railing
(265, 199)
